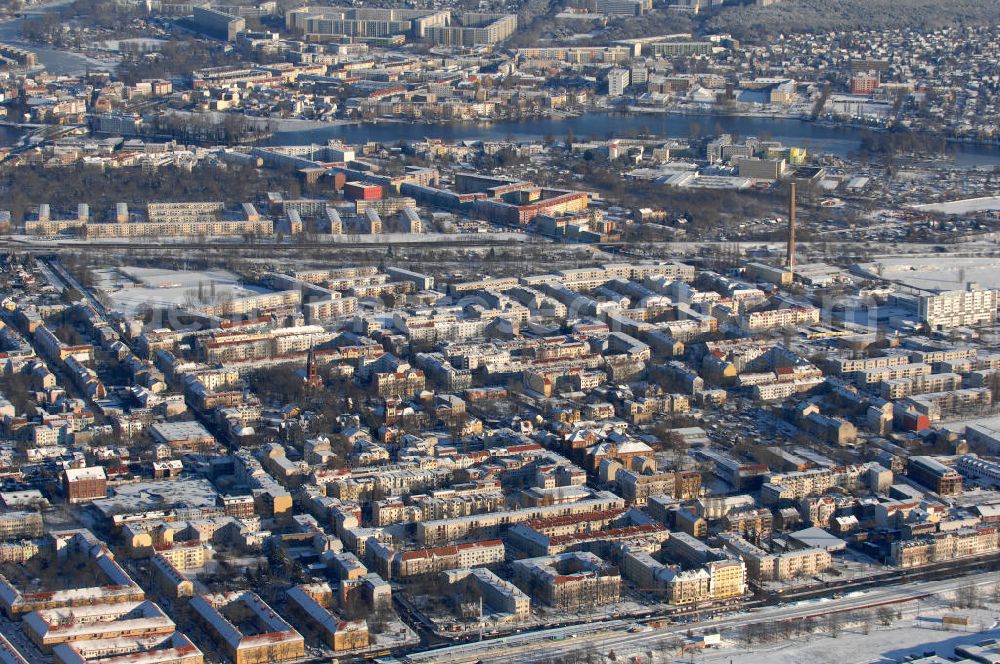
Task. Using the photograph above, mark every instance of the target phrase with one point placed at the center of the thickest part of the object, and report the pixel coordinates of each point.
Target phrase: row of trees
(832, 623)
(757, 24)
(174, 58)
(50, 27)
(63, 188)
(704, 210)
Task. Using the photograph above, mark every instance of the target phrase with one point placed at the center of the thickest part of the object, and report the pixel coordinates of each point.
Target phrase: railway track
(49, 247)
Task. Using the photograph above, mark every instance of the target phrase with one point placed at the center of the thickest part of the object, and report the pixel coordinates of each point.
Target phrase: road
(680, 250)
(603, 637)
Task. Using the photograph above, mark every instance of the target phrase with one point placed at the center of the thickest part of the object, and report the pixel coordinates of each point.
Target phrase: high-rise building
(972, 306)
(864, 83)
(85, 484)
(618, 80)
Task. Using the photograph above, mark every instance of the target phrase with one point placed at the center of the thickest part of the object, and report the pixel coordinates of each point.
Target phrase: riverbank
(819, 138)
(703, 112)
(56, 61)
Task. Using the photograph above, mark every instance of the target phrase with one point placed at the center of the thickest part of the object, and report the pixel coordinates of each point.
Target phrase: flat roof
(818, 538)
(159, 495)
(179, 431)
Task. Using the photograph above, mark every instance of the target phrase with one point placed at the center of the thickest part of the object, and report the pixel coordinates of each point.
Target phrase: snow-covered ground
(940, 272)
(165, 288)
(881, 645)
(965, 206)
(920, 631)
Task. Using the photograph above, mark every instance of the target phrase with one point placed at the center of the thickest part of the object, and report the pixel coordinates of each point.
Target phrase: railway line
(139, 244)
(619, 635)
(882, 589)
(631, 250)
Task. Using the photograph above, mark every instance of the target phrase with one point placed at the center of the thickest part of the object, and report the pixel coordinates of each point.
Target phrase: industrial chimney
(790, 252)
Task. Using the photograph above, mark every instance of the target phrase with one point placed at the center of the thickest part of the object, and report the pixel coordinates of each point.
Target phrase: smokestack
(790, 252)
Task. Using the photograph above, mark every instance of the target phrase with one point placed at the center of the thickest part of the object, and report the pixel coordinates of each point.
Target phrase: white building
(618, 80)
(973, 306)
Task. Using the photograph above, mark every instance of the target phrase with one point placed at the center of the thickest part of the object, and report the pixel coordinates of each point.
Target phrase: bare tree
(967, 596)
(834, 624)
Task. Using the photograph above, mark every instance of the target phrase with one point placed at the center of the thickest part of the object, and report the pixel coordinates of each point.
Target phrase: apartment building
(340, 635)
(18, 552)
(618, 81)
(224, 348)
(712, 580)
(568, 580)
(636, 488)
(82, 485)
(576, 55)
(404, 382)
(502, 597)
(757, 321)
(934, 475)
(844, 365)
(440, 505)
(944, 546)
(41, 222)
(174, 648)
(49, 627)
(679, 587)
(899, 388)
(240, 306)
(471, 29)
(325, 23)
(393, 480)
(727, 578)
(756, 521)
(792, 486)
(870, 377)
(185, 555)
(763, 566)
(218, 23)
(939, 405)
(527, 207)
(170, 579)
(273, 640)
(678, 49)
(207, 219)
(392, 564)
(54, 348)
(18, 525)
(623, 7)
(970, 465)
(441, 531)
(958, 308)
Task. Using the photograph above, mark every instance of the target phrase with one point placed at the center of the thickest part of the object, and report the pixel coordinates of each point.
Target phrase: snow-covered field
(940, 272)
(920, 631)
(164, 288)
(965, 206)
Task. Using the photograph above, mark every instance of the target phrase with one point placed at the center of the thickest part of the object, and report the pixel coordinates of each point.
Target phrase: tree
(885, 616)
(834, 624)
(967, 596)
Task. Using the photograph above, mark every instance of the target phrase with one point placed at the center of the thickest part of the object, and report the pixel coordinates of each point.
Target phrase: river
(818, 138)
(9, 135)
(56, 61)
